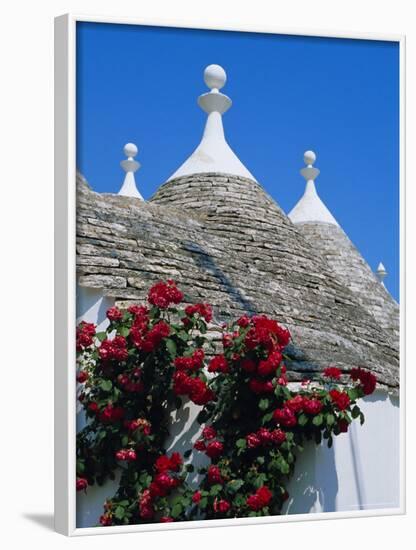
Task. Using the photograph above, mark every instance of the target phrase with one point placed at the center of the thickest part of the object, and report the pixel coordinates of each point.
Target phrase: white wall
(360, 471)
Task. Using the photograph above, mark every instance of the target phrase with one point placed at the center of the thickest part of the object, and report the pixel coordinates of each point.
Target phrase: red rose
(105, 520)
(93, 407)
(285, 417)
(218, 364)
(253, 441)
(260, 499)
(164, 480)
(278, 436)
(243, 321)
(114, 314)
(121, 454)
(214, 449)
(196, 497)
(214, 475)
(162, 295)
(82, 376)
(265, 495)
(367, 379)
(295, 404)
(343, 425)
(131, 455)
(312, 406)
(341, 399)
(199, 445)
(209, 432)
(175, 461)
(81, 484)
(264, 435)
(221, 506)
(162, 464)
(332, 372)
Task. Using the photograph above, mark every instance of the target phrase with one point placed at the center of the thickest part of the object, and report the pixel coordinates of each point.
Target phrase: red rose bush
(153, 357)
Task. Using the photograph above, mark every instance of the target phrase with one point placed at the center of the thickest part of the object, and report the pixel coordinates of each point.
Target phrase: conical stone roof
(326, 237)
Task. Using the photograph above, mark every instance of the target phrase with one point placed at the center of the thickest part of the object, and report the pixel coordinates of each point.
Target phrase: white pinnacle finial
(130, 166)
(381, 273)
(213, 154)
(309, 173)
(310, 208)
(215, 77)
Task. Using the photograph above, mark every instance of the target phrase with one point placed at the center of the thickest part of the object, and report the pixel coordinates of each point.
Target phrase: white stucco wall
(360, 471)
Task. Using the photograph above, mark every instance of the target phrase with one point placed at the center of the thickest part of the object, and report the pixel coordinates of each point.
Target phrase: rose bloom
(278, 436)
(105, 520)
(222, 506)
(343, 425)
(295, 404)
(175, 461)
(209, 432)
(332, 372)
(199, 445)
(162, 463)
(285, 417)
(264, 435)
(81, 484)
(218, 364)
(253, 441)
(166, 519)
(341, 399)
(114, 314)
(312, 406)
(196, 497)
(214, 475)
(214, 449)
(82, 376)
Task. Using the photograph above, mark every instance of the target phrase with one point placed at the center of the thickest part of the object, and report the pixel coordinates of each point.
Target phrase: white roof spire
(130, 166)
(213, 154)
(381, 273)
(310, 208)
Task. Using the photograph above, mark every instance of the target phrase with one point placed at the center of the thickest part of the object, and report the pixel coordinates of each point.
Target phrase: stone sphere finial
(215, 77)
(309, 158)
(130, 150)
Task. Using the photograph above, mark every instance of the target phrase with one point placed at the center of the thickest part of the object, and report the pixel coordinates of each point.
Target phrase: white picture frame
(65, 279)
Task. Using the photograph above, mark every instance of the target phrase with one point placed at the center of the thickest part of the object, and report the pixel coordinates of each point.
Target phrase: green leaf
(267, 417)
(355, 413)
(119, 513)
(362, 418)
(189, 467)
(171, 347)
(241, 443)
(101, 336)
(317, 420)
(330, 419)
(203, 503)
(176, 510)
(187, 453)
(330, 441)
(234, 485)
(106, 385)
(302, 420)
(215, 490)
(263, 404)
(124, 331)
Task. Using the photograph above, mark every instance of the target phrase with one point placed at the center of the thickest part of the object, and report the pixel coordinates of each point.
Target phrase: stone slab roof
(225, 241)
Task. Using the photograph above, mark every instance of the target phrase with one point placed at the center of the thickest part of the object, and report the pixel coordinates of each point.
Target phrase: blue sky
(338, 97)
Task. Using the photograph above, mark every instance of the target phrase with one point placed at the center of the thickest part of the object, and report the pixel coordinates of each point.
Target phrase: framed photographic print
(229, 268)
